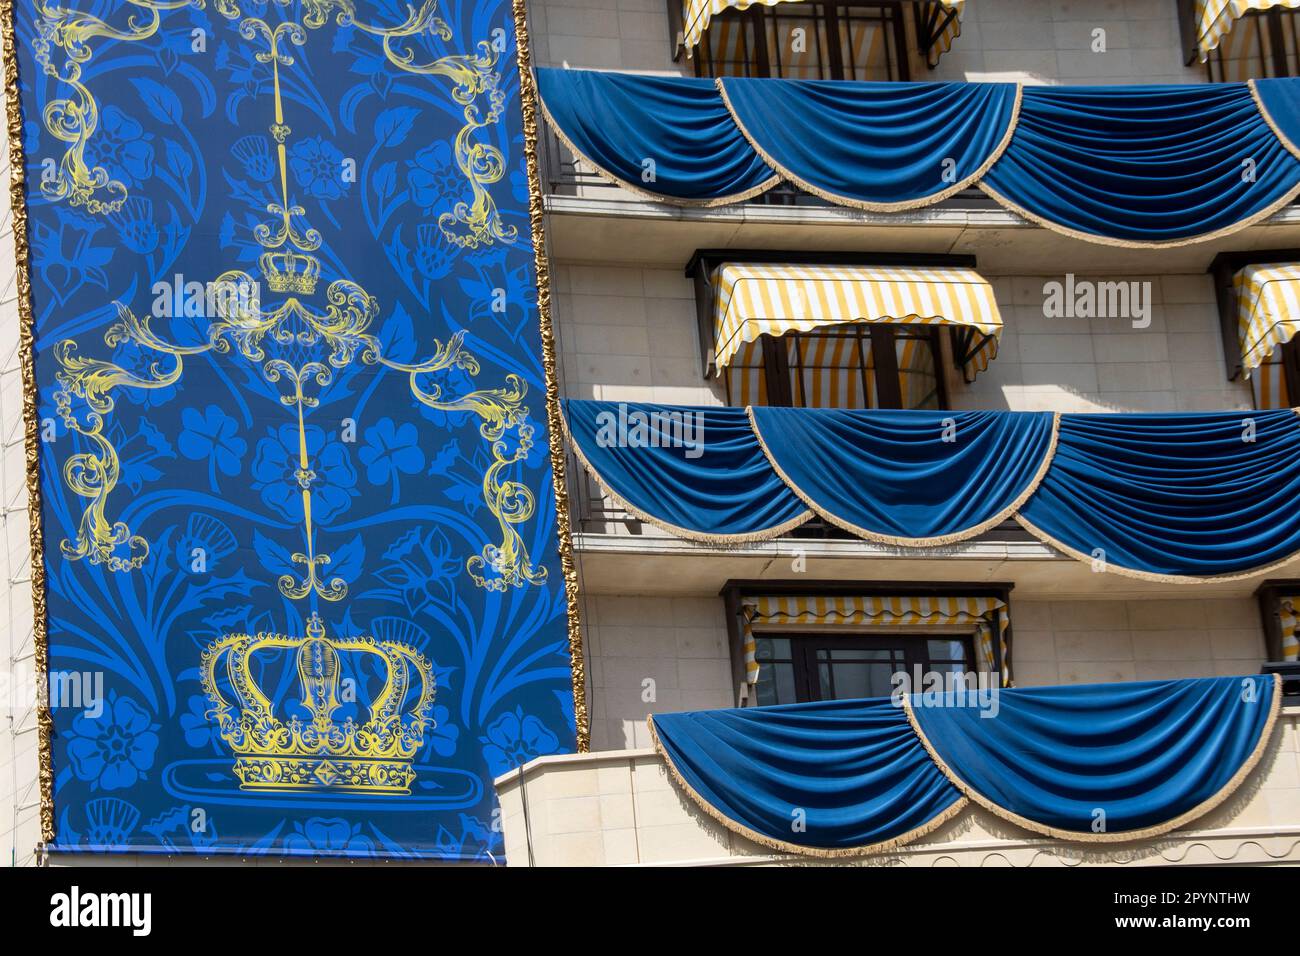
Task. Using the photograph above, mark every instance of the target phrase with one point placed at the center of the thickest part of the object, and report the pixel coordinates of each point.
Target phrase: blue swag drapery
(1179, 496)
(1098, 763)
(1133, 165)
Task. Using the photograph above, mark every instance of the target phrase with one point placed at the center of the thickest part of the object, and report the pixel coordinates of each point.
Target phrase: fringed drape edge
(1125, 836)
(1228, 230)
(699, 537)
(932, 542)
(647, 194)
(958, 804)
(1112, 567)
(867, 205)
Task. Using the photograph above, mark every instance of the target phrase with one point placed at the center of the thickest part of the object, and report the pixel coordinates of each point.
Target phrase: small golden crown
(290, 272)
(320, 753)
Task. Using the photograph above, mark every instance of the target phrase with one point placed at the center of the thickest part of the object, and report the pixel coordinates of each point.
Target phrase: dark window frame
(807, 645)
(782, 382)
(761, 22)
(736, 590)
(1274, 57)
(705, 262)
(1223, 268)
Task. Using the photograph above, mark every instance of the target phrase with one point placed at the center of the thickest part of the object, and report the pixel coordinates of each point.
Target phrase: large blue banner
(299, 523)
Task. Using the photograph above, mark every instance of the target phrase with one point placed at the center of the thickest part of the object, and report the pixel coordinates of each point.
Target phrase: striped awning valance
(1216, 18)
(754, 299)
(1289, 613)
(696, 15)
(979, 613)
(1268, 316)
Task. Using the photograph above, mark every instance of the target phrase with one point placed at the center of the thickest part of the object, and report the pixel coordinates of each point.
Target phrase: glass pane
(865, 45)
(797, 43)
(918, 378)
(860, 654)
(827, 369)
(772, 648)
(775, 684)
(729, 45)
(848, 681)
(939, 650)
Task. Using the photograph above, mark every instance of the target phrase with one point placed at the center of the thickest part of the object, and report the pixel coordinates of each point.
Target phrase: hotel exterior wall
(622, 808)
(628, 333)
(1046, 41)
(651, 655)
(20, 819)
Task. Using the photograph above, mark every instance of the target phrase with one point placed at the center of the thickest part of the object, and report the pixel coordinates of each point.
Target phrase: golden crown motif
(290, 272)
(320, 753)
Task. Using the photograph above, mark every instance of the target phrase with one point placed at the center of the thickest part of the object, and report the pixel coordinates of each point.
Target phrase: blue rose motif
(391, 450)
(114, 749)
(514, 739)
(329, 835)
(211, 435)
(276, 474)
(317, 166)
(435, 182)
(198, 729)
(122, 147)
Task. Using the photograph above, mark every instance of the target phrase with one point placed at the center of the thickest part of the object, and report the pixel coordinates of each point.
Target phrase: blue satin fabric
(1145, 164)
(1175, 494)
(874, 143)
(730, 490)
(1148, 164)
(620, 120)
(891, 473)
(854, 768)
(1142, 753)
(1281, 99)
(1165, 494)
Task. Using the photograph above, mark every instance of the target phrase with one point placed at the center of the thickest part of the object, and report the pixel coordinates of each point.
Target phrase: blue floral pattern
(205, 517)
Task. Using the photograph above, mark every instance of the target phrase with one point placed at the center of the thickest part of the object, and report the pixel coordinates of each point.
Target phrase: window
(807, 41)
(866, 365)
(1260, 44)
(813, 666)
(1277, 379)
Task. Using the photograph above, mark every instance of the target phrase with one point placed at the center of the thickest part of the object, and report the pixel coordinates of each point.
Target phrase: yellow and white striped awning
(760, 613)
(1268, 316)
(1215, 18)
(696, 15)
(753, 299)
(1290, 624)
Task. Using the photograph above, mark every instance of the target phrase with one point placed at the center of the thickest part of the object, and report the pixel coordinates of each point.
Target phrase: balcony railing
(594, 513)
(562, 175)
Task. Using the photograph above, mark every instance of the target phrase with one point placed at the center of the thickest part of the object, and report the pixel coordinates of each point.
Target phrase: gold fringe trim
(937, 541)
(1128, 243)
(554, 420)
(1127, 835)
(640, 192)
(31, 418)
(771, 843)
(689, 534)
(1113, 568)
(1268, 118)
(867, 205)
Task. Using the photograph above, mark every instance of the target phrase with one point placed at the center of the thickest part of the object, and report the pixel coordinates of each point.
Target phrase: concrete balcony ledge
(620, 228)
(621, 808)
(661, 564)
